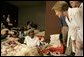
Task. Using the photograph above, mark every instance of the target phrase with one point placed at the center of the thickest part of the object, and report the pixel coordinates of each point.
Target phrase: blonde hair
(61, 6)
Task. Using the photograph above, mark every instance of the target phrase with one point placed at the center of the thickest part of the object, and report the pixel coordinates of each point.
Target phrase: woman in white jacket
(61, 9)
(73, 24)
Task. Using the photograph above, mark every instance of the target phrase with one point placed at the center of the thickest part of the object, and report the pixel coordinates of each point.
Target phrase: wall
(35, 13)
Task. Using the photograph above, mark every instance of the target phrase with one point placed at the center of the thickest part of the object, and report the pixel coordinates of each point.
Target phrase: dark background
(10, 9)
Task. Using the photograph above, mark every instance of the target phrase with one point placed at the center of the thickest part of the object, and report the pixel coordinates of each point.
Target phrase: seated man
(30, 39)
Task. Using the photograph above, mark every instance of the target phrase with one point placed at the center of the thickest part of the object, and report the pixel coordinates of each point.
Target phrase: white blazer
(77, 19)
(75, 24)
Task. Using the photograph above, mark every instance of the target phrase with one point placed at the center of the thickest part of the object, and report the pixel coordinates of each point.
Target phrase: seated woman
(35, 27)
(4, 33)
(21, 35)
(29, 24)
(13, 39)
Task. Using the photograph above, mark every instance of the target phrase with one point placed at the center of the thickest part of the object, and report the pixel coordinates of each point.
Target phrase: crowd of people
(17, 41)
(30, 41)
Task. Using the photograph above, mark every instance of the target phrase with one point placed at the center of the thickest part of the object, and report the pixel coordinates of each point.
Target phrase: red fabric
(57, 49)
(45, 51)
(53, 49)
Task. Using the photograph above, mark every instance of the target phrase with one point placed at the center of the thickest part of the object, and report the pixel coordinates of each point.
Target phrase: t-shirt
(31, 41)
(63, 22)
